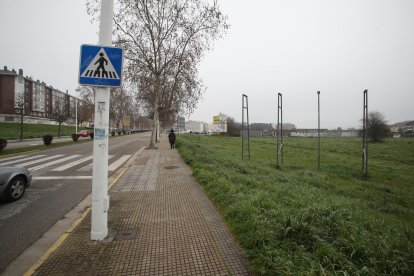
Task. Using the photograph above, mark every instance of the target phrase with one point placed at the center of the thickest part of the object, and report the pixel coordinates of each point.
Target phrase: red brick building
(41, 103)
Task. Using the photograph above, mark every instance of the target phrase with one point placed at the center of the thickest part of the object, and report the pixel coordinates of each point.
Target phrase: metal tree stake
(279, 130)
(365, 136)
(245, 100)
(319, 132)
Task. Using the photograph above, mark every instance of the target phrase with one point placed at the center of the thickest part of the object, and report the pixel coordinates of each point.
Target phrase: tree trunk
(157, 91)
(154, 128)
(158, 131)
(21, 125)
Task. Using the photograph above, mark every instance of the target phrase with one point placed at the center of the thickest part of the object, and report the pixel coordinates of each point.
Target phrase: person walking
(171, 138)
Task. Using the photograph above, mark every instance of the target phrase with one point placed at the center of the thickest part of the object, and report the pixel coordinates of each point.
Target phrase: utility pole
(100, 198)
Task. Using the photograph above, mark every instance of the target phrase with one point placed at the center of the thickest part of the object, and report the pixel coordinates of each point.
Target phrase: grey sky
(292, 47)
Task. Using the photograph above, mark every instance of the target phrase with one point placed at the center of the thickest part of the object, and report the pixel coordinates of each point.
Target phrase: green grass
(297, 220)
(11, 131)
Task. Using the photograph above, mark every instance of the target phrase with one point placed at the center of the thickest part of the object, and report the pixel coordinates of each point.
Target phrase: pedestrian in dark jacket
(171, 138)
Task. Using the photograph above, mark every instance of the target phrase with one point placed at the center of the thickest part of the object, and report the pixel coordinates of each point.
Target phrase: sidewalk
(160, 223)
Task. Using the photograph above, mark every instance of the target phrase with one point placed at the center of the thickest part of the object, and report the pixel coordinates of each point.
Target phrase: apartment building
(41, 103)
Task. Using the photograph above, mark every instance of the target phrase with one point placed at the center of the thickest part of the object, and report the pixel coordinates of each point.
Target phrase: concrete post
(100, 198)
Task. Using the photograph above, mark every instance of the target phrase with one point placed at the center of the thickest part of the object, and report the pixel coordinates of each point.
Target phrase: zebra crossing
(54, 162)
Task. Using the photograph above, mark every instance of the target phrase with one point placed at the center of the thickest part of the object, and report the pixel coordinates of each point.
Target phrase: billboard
(126, 120)
(220, 123)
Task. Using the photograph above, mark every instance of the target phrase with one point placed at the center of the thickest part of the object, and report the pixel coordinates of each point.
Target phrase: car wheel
(16, 188)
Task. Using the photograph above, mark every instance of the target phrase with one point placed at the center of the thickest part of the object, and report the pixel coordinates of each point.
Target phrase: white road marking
(72, 164)
(40, 160)
(13, 157)
(89, 167)
(118, 162)
(42, 166)
(21, 160)
(61, 177)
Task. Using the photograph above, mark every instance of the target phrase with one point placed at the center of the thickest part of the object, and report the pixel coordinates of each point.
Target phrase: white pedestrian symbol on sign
(100, 67)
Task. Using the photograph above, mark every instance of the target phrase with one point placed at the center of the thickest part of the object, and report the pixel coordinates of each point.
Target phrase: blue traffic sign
(100, 66)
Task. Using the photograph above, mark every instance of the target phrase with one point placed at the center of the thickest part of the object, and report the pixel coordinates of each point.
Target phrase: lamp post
(76, 114)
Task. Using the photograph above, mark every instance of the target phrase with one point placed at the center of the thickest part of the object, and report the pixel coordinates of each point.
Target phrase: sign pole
(100, 198)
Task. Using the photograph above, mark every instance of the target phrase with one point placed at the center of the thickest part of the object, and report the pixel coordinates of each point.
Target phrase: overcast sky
(293, 47)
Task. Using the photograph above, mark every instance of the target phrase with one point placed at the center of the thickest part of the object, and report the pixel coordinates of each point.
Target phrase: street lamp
(76, 114)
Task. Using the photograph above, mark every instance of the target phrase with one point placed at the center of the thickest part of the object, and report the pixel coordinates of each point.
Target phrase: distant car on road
(13, 182)
(84, 133)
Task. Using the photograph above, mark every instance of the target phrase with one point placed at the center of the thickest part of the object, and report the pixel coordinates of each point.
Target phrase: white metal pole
(76, 114)
(100, 198)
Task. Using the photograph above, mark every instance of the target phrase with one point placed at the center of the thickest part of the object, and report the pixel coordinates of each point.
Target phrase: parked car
(13, 182)
(84, 133)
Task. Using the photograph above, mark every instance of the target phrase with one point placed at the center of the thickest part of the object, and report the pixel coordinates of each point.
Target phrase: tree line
(164, 41)
(378, 128)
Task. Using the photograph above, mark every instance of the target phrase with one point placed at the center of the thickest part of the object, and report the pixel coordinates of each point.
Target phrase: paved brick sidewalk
(161, 223)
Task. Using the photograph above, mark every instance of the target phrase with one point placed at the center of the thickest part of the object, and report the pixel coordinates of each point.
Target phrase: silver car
(13, 182)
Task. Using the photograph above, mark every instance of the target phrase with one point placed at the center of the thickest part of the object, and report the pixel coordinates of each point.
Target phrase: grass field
(11, 131)
(298, 220)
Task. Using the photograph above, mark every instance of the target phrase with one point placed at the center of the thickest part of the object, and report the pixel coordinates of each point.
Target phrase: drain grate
(171, 167)
(126, 234)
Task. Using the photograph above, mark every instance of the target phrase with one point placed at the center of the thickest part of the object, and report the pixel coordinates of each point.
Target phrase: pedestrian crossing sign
(100, 66)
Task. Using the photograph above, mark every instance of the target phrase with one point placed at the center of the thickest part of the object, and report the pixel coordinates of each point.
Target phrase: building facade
(38, 102)
(180, 126)
(195, 126)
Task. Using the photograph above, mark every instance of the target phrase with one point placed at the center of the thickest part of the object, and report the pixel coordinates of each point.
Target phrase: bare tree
(233, 128)
(164, 41)
(121, 105)
(87, 106)
(377, 126)
(19, 106)
(135, 113)
(60, 110)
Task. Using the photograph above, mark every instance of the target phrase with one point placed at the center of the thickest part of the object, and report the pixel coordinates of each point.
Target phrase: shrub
(377, 126)
(75, 137)
(47, 139)
(3, 144)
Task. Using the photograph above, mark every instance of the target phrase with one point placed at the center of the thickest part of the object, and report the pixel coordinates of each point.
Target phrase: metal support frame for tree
(279, 131)
(365, 136)
(319, 132)
(245, 107)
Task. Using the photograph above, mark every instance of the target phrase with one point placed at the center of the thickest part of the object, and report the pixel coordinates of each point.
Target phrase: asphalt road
(61, 179)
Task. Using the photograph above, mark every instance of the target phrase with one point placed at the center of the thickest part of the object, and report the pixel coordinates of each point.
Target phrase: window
(19, 92)
(58, 102)
(39, 97)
